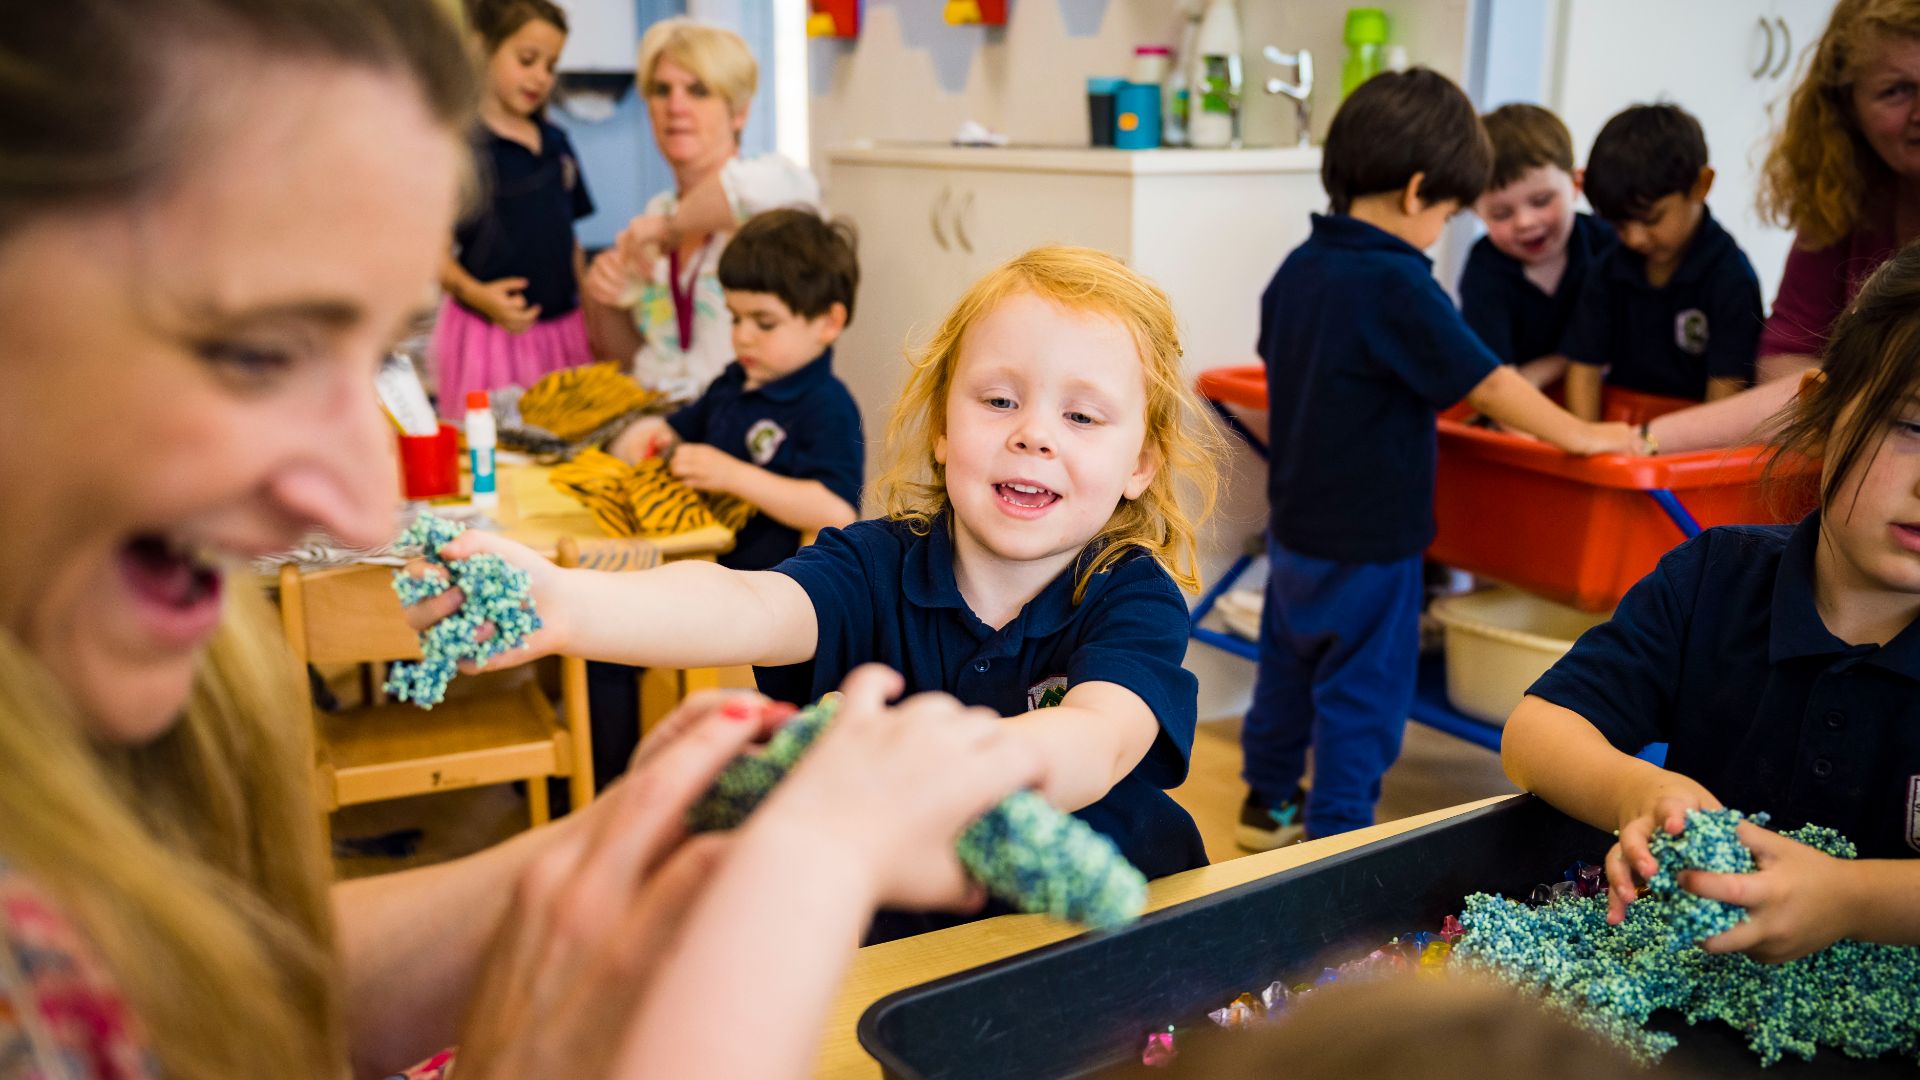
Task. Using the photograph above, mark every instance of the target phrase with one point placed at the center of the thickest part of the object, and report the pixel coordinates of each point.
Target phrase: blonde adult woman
(656, 294)
(1844, 174)
(195, 287)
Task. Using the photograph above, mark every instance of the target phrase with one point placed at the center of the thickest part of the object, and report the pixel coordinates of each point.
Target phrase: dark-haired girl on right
(1780, 663)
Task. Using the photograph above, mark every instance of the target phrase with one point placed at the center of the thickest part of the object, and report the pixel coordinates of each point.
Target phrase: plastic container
(1213, 116)
(482, 442)
(1498, 642)
(1178, 101)
(1083, 1007)
(430, 464)
(1150, 64)
(1366, 39)
(1582, 531)
(1136, 121)
(1578, 531)
(1101, 91)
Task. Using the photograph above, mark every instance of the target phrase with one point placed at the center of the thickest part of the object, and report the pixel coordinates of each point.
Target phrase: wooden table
(879, 970)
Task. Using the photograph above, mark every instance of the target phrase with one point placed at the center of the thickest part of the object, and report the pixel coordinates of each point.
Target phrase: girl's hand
(1661, 804)
(640, 242)
(1798, 900)
(544, 581)
(503, 301)
(608, 277)
(887, 791)
(641, 440)
(703, 468)
(593, 916)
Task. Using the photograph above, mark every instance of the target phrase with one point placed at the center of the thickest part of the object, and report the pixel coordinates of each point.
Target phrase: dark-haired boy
(777, 428)
(1675, 309)
(1362, 347)
(1523, 278)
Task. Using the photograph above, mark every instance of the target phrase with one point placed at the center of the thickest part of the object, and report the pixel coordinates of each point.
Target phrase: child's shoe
(1263, 827)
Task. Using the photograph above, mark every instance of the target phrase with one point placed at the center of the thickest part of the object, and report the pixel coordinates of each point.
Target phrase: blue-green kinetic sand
(496, 592)
(1025, 851)
(1858, 998)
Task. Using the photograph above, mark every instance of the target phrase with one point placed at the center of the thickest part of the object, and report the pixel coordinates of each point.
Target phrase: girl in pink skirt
(512, 310)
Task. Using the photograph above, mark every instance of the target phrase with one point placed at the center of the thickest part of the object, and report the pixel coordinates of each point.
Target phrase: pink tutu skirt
(471, 353)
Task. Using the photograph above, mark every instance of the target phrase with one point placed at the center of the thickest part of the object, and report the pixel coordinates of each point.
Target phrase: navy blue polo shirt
(1721, 654)
(804, 425)
(883, 594)
(1517, 320)
(524, 227)
(1362, 348)
(1702, 324)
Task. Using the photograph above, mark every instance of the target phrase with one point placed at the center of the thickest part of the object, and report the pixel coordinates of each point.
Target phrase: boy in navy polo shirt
(1781, 665)
(777, 428)
(1675, 308)
(1522, 278)
(1362, 348)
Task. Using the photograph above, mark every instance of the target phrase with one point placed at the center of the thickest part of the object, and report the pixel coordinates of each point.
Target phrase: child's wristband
(1649, 446)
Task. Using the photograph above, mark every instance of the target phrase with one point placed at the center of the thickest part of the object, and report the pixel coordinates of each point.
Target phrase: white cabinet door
(910, 272)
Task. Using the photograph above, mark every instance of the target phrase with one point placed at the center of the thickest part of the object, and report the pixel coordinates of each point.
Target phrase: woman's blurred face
(1886, 100)
(693, 124)
(186, 381)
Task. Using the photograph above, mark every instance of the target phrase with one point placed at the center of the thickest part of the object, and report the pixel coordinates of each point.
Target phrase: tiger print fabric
(644, 500)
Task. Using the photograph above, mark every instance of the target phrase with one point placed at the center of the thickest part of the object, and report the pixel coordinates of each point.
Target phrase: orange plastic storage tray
(1580, 531)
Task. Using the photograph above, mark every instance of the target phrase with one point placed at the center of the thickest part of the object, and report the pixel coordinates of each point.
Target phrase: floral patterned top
(62, 1016)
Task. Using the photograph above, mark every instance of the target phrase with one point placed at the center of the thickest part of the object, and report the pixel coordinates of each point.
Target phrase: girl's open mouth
(176, 591)
(1025, 496)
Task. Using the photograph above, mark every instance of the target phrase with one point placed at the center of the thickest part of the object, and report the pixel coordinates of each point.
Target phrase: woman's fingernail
(778, 710)
(737, 709)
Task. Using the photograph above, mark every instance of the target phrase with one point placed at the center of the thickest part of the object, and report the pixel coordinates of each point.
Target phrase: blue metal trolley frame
(1430, 704)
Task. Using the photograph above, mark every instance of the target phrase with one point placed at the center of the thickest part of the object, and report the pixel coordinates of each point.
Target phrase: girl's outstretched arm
(1090, 741)
(684, 614)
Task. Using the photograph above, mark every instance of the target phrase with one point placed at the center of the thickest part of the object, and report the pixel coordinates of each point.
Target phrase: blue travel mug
(1136, 121)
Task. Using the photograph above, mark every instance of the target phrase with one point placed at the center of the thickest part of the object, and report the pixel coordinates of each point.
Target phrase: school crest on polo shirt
(1913, 812)
(763, 441)
(1690, 331)
(1047, 693)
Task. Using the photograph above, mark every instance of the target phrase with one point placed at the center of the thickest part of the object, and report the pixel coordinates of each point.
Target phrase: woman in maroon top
(1844, 172)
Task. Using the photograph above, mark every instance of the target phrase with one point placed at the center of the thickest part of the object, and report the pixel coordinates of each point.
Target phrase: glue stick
(481, 440)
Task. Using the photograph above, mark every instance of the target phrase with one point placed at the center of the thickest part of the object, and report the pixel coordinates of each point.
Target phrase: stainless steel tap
(1300, 90)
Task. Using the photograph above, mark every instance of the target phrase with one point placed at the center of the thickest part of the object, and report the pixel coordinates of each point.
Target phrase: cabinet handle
(960, 224)
(1786, 49)
(1766, 62)
(933, 219)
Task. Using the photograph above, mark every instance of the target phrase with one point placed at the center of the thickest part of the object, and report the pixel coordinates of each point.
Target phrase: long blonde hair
(1180, 434)
(193, 863)
(1820, 175)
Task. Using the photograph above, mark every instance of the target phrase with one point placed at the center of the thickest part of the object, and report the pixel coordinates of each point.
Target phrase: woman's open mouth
(176, 590)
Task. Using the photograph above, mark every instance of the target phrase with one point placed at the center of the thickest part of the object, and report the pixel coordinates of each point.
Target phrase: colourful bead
(1159, 1051)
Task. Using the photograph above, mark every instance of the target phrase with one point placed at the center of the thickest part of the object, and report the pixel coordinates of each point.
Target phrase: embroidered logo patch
(1690, 331)
(763, 441)
(1048, 692)
(1913, 812)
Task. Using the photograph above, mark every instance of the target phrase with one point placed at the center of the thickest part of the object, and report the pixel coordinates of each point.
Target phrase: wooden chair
(350, 615)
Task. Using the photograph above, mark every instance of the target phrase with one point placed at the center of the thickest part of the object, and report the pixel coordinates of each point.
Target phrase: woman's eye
(698, 89)
(246, 361)
(1899, 89)
(1910, 428)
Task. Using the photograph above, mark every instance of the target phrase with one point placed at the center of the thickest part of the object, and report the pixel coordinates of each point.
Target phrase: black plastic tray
(1083, 1006)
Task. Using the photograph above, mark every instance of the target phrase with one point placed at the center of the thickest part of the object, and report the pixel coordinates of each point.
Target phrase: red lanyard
(683, 296)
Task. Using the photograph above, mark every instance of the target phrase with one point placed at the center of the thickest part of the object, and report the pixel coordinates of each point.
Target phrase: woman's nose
(345, 482)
